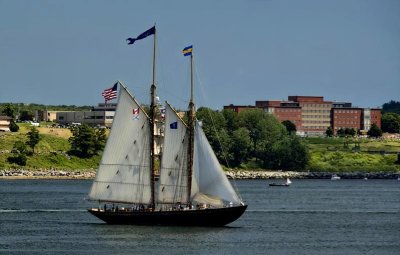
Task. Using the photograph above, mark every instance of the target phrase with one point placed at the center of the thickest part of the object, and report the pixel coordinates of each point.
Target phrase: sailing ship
(192, 189)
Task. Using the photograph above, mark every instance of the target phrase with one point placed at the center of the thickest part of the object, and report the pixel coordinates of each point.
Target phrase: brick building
(315, 114)
(346, 117)
(239, 108)
(283, 110)
(312, 115)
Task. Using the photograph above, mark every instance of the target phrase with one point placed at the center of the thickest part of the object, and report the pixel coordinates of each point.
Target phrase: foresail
(124, 171)
(208, 174)
(173, 175)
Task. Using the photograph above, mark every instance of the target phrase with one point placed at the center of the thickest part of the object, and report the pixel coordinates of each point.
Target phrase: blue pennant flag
(187, 51)
(173, 125)
(143, 35)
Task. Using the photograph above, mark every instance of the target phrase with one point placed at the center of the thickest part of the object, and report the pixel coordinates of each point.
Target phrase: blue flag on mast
(143, 35)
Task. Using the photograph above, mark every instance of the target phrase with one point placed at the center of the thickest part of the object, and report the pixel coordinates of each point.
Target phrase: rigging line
(162, 86)
(173, 95)
(215, 130)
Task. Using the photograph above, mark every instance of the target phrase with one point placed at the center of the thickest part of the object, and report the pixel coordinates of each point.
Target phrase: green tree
(33, 138)
(253, 134)
(211, 120)
(391, 122)
(262, 128)
(329, 132)
(101, 139)
(214, 127)
(289, 153)
(9, 110)
(374, 131)
(13, 126)
(231, 120)
(300, 154)
(392, 106)
(241, 146)
(341, 132)
(290, 126)
(20, 147)
(26, 115)
(86, 141)
(19, 154)
(350, 131)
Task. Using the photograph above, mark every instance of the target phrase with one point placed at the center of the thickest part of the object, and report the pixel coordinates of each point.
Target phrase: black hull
(278, 185)
(203, 217)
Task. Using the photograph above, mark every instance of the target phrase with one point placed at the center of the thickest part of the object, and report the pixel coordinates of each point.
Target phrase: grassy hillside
(344, 155)
(50, 152)
(327, 154)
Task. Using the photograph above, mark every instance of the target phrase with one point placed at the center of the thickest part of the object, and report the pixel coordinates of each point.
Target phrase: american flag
(110, 93)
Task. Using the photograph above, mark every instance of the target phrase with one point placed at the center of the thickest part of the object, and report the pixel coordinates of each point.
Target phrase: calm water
(310, 217)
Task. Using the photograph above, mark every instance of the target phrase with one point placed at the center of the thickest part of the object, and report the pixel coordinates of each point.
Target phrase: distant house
(5, 123)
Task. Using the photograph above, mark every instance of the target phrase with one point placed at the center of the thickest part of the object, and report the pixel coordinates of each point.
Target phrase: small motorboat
(286, 184)
(335, 177)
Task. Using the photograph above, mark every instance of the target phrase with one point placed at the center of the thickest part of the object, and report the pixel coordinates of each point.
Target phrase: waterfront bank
(239, 174)
(308, 175)
(46, 174)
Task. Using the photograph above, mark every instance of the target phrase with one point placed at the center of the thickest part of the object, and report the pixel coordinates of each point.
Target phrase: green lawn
(50, 152)
(348, 154)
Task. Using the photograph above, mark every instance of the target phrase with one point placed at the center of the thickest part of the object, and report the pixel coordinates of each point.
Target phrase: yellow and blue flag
(187, 51)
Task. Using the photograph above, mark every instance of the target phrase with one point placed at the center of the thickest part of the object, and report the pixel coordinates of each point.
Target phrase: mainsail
(173, 175)
(124, 171)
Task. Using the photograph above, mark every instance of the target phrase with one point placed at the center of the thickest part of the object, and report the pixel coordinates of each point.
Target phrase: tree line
(253, 136)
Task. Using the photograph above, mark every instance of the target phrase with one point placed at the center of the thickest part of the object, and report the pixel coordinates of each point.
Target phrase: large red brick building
(283, 110)
(312, 115)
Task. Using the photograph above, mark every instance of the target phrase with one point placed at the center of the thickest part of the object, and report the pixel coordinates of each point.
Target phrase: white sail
(209, 179)
(173, 175)
(124, 171)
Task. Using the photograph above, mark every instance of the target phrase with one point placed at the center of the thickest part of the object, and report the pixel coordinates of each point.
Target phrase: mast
(152, 123)
(191, 119)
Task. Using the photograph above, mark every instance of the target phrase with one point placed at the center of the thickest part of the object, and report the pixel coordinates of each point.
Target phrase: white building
(5, 123)
(101, 115)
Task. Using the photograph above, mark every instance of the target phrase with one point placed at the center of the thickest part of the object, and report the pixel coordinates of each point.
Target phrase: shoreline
(19, 174)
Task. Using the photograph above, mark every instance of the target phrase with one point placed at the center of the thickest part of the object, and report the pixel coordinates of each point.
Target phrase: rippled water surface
(310, 217)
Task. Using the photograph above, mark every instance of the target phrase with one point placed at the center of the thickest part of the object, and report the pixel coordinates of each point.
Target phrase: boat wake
(318, 211)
